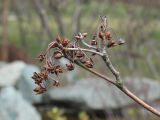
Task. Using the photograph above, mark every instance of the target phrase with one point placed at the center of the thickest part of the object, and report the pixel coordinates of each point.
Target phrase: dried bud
(58, 54)
(58, 70)
(41, 57)
(35, 75)
(70, 45)
(53, 44)
(84, 34)
(39, 89)
(44, 74)
(101, 35)
(79, 54)
(39, 77)
(58, 39)
(65, 42)
(70, 66)
(108, 35)
(77, 37)
(56, 83)
(93, 42)
(89, 63)
(49, 63)
(121, 41)
(111, 43)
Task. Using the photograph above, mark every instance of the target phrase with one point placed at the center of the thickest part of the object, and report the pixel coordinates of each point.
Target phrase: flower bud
(79, 54)
(58, 70)
(65, 42)
(111, 43)
(41, 57)
(89, 63)
(121, 41)
(93, 42)
(101, 35)
(53, 44)
(39, 89)
(84, 34)
(108, 35)
(77, 37)
(58, 54)
(58, 39)
(56, 83)
(70, 66)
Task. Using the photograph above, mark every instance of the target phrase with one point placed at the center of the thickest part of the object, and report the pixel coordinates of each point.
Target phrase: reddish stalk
(125, 90)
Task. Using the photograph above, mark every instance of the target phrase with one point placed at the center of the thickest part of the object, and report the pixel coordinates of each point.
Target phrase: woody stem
(124, 90)
(87, 50)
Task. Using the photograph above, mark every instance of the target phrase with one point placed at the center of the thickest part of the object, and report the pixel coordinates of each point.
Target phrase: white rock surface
(2, 63)
(98, 94)
(10, 73)
(15, 107)
(26, 84)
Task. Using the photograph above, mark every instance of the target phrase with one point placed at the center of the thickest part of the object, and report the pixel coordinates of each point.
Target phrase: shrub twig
(62, 47)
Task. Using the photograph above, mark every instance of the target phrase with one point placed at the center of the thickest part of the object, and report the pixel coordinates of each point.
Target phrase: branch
(107, 61)
(63, 46)
(118, 82)
(87, 50)
(124, 90)
(140, 102)
(105, 57)
(89, 46)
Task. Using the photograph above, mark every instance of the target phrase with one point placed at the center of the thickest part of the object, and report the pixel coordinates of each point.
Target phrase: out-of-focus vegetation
(139, 25)
(56, 114)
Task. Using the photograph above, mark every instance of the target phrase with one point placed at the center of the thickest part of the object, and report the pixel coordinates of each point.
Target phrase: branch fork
(62, 47)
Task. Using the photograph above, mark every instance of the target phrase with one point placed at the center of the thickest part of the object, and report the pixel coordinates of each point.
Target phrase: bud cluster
(108, 37)
(64, 48)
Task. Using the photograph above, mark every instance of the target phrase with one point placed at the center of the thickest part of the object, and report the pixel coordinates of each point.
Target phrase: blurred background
(27, 27)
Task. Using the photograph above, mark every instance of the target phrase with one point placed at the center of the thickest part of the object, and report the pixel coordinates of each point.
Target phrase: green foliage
(56, 114)
(83, 116)
(156, 35)
(133, 112)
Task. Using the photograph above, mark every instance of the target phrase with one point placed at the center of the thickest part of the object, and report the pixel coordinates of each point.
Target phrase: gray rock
(15, 107)
(10, 73)
(68, 76)
(98, 94)
(26, 84)
(146, 89)
(2, 63)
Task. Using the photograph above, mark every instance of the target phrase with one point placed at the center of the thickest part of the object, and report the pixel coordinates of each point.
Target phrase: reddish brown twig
(125, 90)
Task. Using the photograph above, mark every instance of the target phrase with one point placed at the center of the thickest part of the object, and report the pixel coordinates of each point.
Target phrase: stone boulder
(2, 63)
(15, 107)
(26, 84)
(99, 94)
(10, 73)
